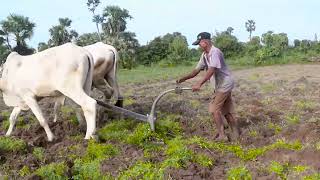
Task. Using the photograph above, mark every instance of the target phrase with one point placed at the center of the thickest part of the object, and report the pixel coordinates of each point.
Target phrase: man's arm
(189, 76)
(210, 72)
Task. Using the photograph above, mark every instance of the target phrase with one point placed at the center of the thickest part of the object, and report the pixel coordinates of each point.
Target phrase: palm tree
(60, 33)
(250, 26)
(21, 28)
(115, 20)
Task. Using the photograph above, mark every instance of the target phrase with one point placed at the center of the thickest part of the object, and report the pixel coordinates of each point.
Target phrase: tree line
(167, 50)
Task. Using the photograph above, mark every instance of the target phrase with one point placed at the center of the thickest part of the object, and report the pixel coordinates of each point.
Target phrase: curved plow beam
(152, 116)
(146, 118)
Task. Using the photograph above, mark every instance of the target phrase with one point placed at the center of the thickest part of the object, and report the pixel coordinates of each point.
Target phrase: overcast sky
(151, 18)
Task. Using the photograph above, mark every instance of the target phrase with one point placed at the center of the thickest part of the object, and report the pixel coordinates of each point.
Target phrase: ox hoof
(91, 137)
(51, 138)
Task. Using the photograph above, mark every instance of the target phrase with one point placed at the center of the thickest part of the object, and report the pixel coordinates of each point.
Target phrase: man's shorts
(221, 101)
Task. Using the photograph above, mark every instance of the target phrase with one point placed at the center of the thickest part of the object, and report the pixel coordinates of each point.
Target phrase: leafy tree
(42, 46)
(230, 30)
(305, 45)
(60, 34)
(88, 38)
(253, 45)
(250, 26)
(20, 28)
(296, 43)
(178, 49)
(228, 43)
(127, 44)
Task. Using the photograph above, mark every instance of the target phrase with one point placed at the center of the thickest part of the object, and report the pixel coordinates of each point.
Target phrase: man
(212, 61)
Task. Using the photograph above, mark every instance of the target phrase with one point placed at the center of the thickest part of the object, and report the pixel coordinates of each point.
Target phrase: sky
(152, 18)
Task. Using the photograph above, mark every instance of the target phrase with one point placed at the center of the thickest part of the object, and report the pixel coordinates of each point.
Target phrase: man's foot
(222, 138)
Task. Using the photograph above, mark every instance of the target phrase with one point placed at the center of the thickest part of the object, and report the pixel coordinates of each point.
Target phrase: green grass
(239, 173)
(8, 144)
(245, 154)
(157, 73)
(153, 73)
(54, 171)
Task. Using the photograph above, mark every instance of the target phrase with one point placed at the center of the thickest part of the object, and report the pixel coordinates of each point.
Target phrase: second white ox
(105, 59)
(66, 70)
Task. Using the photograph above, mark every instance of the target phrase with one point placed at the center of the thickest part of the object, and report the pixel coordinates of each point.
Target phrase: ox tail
(115, 86)
(89, 77)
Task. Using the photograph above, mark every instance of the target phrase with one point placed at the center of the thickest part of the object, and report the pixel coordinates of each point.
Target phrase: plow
(149, 118)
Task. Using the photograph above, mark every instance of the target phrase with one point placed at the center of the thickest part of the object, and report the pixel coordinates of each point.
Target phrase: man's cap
(203, 35)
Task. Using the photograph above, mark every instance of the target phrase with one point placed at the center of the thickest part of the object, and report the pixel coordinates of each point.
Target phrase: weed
(38, 152)
(249, 154)
(305, 105)
(8, 144)
(315, 176)
(293, 119)
(54, 171)
(317, 146)
(117, 130)
(279, 169)
(239, 173)
(24, 171)
(283, 170)
(277, 129)
(143, 170)
(177, 152)
(96, 151)
(203, 160)
(128, 101)
(87, 170)
(253, 133)
(141, 135)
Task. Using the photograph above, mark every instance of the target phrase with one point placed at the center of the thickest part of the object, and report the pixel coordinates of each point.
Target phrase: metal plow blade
(146, 118)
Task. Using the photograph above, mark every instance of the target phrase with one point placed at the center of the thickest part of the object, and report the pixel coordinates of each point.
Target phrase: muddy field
(278, 108)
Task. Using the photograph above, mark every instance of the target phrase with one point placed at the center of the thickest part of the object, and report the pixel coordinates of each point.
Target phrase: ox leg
(13, 117)
(32, 103)
(57, 105)
(114, 84)
(102, 85)
(88, 106)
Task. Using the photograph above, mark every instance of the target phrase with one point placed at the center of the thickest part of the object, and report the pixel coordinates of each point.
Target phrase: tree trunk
(99, 35)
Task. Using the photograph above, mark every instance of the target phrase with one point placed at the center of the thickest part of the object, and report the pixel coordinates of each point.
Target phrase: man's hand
(180, 81)
(196, 87)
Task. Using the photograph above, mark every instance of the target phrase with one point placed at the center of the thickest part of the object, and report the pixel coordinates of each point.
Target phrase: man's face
(203, 44)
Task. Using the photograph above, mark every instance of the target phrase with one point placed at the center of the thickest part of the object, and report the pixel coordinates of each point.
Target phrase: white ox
(105, 59)
(65, 70)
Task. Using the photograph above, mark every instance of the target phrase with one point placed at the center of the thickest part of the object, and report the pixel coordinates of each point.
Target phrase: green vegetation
(38, 152)
(8, 144)
(239, 173)
(292, 119)
(283, 170)
(53, 171)
(245, 154)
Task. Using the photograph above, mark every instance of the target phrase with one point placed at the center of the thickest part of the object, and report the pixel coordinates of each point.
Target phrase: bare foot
(222, 138)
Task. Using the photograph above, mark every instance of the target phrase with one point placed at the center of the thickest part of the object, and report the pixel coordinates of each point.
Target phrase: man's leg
(215, 108)
(234, 125)
(219, 124)
(228, 110)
